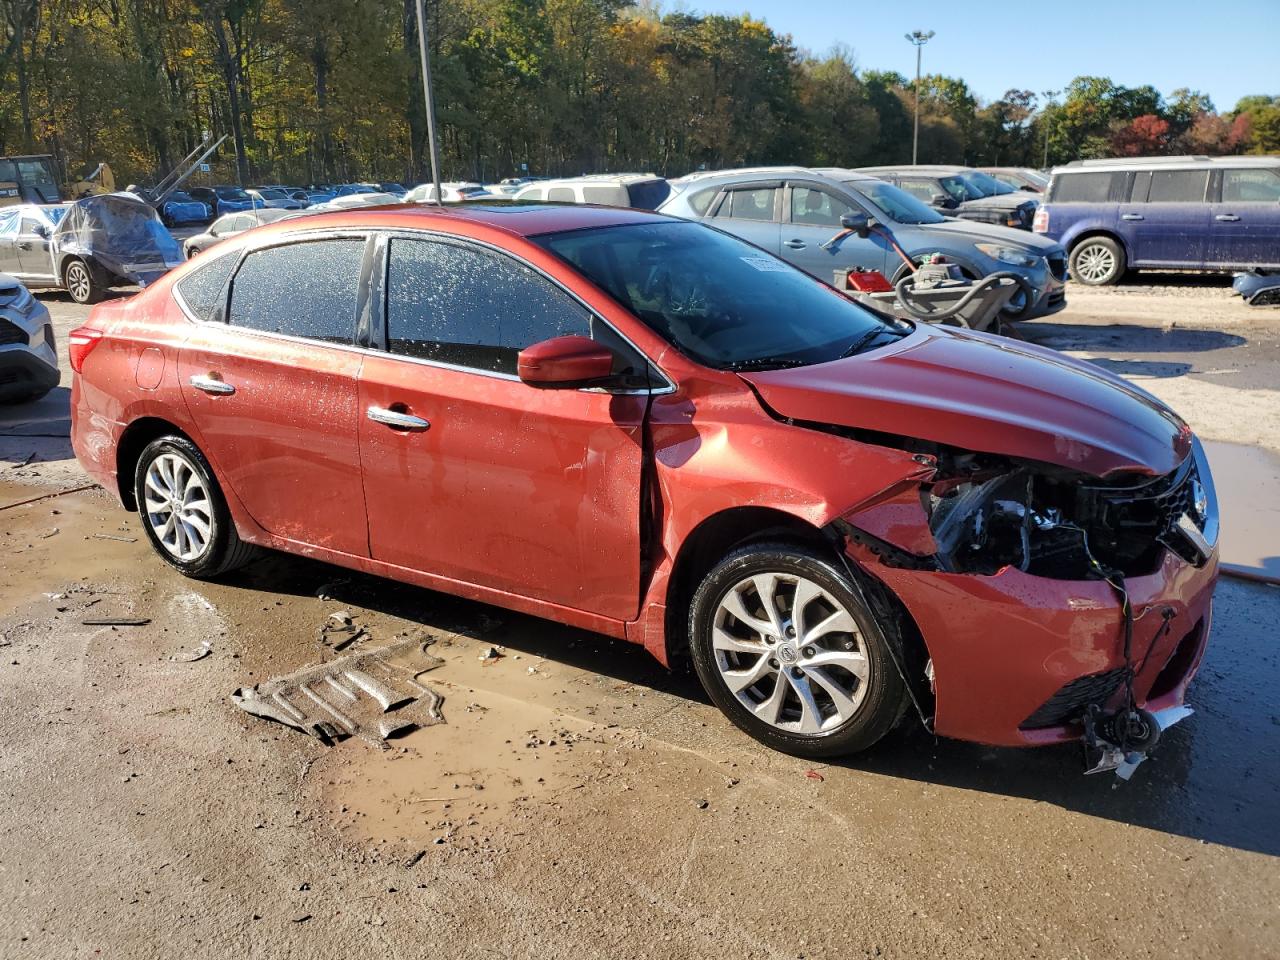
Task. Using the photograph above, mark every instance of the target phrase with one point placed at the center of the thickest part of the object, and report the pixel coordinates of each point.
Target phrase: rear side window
(561, 195)
(1081, 187)
(303, 290)
(609, 196)
(1250, 186)
(754, 204)
(472, 308)
(201, 289)
(1178, 186)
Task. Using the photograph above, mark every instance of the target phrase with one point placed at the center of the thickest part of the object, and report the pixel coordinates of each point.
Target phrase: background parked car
(1020, 178)
(1180, 213)
(347, 189)
(962, 192)
(222, 199)
(643, 191)
(793, 211)
(26, 242)
(454, 192)
(274, 198)
(229, 226)
(28, 354)
(350, 201)
(181, 208)
(396, 189)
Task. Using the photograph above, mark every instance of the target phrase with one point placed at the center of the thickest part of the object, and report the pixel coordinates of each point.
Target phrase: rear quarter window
(608, 196)
(201, 290)
(700, 202)
(1082, 187)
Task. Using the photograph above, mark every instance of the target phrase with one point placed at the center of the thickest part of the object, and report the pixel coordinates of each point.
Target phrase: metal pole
(1048, 95)
(919, 38)
(915, 136)
(430, 101)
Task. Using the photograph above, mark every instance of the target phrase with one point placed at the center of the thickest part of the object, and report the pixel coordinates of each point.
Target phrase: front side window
(815, 208)
(202, 287)
(1178, 186)
(718, 299)
(1250, 186)
(305, 289)
(468, 307)
(753, 204)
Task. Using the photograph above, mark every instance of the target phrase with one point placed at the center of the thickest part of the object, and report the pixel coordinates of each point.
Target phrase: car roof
(744, 173)
(917, 168)
(517, 219)
(621, 179)
(1189, 162)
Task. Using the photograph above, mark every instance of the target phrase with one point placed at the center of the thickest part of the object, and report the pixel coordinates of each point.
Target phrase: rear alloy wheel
(183, 511)
(1097, 261)
(790, 652)
(78, 279)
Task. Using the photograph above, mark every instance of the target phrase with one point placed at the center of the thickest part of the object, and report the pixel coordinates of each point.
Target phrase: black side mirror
(42, 231)
(942, 200)
(858, 223)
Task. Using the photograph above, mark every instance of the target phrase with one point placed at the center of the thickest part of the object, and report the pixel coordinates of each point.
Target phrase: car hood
(993, 233)
(986, 394)
(999, 201)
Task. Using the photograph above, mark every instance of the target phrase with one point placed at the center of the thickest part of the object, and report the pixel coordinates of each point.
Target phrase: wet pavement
(579, 800)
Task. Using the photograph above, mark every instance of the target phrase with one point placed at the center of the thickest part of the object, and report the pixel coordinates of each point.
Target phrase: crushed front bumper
(1005, 646)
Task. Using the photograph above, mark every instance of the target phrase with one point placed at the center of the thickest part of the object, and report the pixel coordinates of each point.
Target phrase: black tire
(885, 697)
(79, 281)
(224, 551)
(1097, 262)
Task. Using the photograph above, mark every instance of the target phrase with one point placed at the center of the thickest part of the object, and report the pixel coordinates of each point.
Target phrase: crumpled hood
(994, 233)
(986, 394)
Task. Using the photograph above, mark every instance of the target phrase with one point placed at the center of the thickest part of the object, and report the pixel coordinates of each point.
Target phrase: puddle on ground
(1248, 484)
(493, 753)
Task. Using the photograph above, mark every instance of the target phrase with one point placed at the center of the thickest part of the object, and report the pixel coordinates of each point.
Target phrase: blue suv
(1181, 213)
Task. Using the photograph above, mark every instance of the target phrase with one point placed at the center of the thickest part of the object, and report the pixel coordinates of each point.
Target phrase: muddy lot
(579, 800)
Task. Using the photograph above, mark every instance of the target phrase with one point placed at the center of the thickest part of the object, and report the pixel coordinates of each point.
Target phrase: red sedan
(651, 429)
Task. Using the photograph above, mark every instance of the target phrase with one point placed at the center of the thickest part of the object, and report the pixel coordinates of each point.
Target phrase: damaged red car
(648, 428)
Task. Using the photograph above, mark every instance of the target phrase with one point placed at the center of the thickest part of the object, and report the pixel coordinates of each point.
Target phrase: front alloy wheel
(787, 647)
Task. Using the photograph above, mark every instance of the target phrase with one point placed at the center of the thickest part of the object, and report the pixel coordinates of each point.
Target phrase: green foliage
(329, 90)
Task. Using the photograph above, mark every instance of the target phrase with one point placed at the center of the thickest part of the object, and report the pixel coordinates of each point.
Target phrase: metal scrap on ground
(372, 695)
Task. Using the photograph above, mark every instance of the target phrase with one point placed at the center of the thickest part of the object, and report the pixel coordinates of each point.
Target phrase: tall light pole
(430, 101)
(1048, 96)
(919, 38)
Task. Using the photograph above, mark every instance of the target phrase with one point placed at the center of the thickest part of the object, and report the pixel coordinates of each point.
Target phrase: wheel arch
(1091, 232)
(129, 449)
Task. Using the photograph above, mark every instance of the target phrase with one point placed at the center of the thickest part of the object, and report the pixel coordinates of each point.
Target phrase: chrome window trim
(410, 233)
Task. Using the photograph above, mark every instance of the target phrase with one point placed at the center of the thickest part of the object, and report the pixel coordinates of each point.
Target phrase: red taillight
(80, 343)
(1041, 223)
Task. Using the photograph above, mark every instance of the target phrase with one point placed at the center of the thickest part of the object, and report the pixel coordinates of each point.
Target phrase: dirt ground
(579, 801)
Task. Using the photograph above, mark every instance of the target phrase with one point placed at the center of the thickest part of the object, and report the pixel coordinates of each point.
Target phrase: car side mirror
(942, 200)
(42, 231)
(858, 223)
(565, 363)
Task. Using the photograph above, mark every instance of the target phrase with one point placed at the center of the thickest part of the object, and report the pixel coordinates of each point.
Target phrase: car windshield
(960, 190)
(894, 203)
(988, 184)
(231, 193)
(1036, 177)
(718, 299)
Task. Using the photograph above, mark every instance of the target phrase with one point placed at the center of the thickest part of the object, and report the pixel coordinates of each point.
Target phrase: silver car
(28, 358)
(795, 212)
(229, 225)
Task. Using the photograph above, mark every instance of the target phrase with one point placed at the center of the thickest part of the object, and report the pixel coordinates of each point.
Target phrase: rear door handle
(1227, 217)
(794, 244)
(1132, 216)
(397, 419)
(212, 385)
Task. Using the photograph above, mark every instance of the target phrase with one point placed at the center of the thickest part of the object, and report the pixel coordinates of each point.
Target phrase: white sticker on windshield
(765, 265)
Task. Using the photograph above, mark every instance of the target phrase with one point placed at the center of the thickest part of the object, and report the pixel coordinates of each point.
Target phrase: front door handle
(794, 244)
(1132, 216)
(212, 385)
(397, 419)
(1227, 217)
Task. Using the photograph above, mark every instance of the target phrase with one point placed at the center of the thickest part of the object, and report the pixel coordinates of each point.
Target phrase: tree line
(330, 90)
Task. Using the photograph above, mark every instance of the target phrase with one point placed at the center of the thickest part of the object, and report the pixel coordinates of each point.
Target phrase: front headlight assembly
(1010, 255)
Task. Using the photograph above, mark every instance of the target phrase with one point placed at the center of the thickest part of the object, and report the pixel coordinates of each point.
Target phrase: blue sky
(1224, 49)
